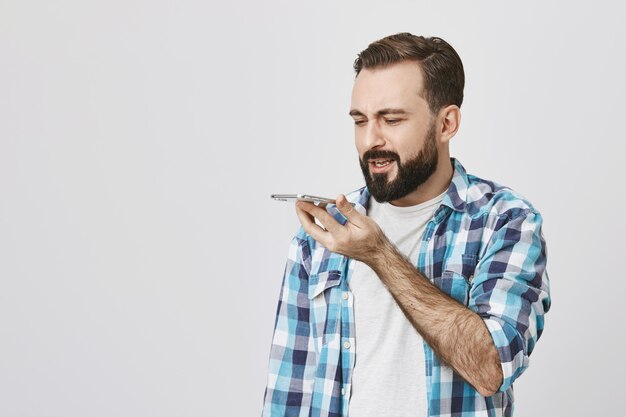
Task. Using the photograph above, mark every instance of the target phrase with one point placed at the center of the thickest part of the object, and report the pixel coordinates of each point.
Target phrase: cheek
(408, 142)
(359, 145)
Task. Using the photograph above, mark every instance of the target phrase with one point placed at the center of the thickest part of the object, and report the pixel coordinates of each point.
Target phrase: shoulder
(486, 198)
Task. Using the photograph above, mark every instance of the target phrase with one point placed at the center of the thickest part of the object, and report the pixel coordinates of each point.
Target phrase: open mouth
(380, 165)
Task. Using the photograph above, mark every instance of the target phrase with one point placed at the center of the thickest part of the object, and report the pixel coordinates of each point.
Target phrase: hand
(360, 238)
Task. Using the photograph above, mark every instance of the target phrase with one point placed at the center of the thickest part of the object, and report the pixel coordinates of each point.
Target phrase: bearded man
(424, 292)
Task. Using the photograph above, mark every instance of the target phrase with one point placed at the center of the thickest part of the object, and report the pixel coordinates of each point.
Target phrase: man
(423, 293)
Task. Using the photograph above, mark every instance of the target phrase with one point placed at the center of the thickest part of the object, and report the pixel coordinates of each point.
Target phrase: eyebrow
(381, 112)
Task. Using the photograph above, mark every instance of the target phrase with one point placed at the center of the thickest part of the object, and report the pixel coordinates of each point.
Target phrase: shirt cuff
(510, 346)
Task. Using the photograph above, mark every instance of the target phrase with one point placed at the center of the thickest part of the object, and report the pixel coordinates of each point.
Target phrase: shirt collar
(456, 196)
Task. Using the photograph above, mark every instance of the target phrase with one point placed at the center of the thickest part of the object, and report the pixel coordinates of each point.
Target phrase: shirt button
(343, 391)
(346, 344)
(345, 296)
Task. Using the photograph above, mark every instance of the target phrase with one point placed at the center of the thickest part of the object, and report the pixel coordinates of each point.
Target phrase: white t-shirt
(389, 377)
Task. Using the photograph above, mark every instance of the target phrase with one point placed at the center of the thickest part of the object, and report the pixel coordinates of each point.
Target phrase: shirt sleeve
(510, 290)
(289, 386)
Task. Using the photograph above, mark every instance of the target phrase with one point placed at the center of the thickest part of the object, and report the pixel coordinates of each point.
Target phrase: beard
(410, 174)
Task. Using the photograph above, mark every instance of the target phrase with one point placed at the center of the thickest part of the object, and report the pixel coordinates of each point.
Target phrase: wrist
(383, 256)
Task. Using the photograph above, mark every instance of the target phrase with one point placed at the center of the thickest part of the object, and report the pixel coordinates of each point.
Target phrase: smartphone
(320, 201)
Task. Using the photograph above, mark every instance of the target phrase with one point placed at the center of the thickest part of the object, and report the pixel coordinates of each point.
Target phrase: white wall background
(140, 254)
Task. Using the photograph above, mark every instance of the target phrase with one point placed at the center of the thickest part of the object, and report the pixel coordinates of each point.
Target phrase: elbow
(486, 392)
(492, 385)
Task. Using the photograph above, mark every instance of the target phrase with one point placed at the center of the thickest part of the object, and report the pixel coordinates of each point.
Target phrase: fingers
(309, 225)
(320, 214)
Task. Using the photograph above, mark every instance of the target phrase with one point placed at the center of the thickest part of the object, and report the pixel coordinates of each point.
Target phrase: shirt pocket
(457, 277)
(324, 296)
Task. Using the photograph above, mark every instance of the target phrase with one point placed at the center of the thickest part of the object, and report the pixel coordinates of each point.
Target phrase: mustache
(374, 154)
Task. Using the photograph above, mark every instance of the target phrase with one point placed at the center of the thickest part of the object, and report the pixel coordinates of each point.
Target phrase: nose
(373, 135)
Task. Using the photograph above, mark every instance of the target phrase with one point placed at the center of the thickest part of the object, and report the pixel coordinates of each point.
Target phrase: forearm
(457, 335)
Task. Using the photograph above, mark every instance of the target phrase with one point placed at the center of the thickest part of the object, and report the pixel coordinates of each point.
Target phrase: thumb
(347, 209)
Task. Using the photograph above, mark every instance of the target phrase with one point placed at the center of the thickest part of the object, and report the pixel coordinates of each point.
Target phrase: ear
(450, 120)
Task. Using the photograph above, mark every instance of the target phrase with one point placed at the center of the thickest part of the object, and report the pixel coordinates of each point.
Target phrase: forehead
(396, 85)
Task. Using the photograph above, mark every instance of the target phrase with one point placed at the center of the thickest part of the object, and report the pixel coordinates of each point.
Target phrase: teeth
(382, 163)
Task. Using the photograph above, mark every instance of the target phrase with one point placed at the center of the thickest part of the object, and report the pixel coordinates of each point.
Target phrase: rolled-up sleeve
(289, 382)
(510, 289)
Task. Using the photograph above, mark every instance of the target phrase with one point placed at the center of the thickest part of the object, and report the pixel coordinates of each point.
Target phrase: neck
(436, 184)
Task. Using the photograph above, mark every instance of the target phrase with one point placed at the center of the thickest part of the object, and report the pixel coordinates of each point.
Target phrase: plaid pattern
(483, 247)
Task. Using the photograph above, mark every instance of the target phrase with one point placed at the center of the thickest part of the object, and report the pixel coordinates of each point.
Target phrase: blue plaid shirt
(484, 247)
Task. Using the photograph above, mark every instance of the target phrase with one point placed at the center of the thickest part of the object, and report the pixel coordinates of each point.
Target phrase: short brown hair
(441, 66)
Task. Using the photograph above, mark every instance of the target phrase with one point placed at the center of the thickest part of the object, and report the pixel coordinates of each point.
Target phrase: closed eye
(360, 122)
(392, 121)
